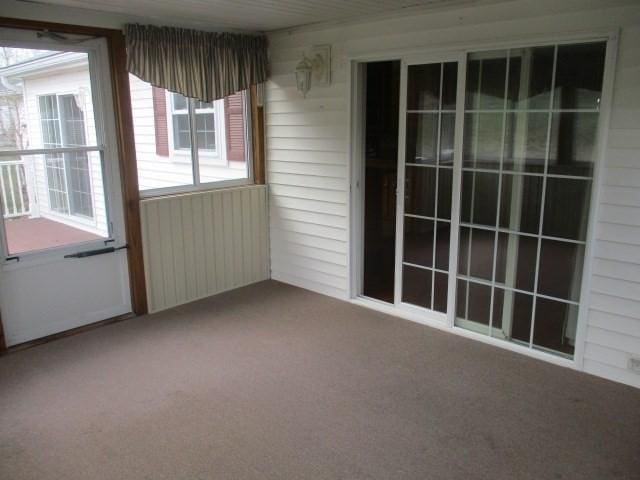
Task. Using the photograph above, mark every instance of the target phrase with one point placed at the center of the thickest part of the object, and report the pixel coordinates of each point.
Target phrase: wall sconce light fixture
(303, 75)
(316, 69)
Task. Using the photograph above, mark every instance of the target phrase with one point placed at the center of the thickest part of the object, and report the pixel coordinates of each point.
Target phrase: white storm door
(64, 262)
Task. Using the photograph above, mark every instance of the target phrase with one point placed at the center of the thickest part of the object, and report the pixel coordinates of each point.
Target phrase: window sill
(187, 189)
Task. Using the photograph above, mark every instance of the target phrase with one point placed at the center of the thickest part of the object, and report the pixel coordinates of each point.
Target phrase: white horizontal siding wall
(199, 244)
(308, 178)
(613, 331)
(308, 152)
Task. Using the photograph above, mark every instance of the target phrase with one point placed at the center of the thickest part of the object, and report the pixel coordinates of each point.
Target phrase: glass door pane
(531, 117)
(428, 173)
(50, 198)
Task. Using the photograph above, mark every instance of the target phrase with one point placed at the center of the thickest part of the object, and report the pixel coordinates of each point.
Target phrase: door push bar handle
(93, 253)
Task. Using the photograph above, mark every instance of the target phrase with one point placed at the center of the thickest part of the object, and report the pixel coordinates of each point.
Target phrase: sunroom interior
(302, 239)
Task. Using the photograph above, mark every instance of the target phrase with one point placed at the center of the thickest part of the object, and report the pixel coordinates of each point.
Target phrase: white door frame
(356, 198)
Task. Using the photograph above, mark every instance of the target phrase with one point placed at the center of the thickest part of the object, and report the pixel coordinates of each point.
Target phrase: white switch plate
(322, 76)
(634, 364)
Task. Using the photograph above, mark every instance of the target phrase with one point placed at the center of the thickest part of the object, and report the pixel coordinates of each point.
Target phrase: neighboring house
(68, 187)
(57, 96)
(161, 127)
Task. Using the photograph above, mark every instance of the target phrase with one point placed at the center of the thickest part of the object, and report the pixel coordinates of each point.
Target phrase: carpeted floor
(274, 382)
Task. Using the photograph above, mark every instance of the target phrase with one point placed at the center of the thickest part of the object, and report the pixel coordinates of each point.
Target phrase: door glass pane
(418, 241)
(579, 74)
(525, 143)
(560, 270)
(520, 203)
(53, 199)
(512, 315)
(422, 138)
(428, 187)
(555, 326)
(416, 286)
(566, 208)
(449, 85)
(443, 233)
(423, 87)
(516, 261)
(447, 131)
(572, 145)
(486, 80)
(482, 146)
(530, 75)
(523, 228)
(479, 198)
(420, 187)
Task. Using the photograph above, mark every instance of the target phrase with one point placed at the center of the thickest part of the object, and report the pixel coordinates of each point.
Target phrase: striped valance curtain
(203, 65)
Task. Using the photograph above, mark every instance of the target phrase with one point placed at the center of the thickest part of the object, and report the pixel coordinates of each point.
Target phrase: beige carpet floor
(274, 382)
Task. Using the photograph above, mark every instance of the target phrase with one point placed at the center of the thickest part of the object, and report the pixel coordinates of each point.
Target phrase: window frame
(195, 157)
(183, 155)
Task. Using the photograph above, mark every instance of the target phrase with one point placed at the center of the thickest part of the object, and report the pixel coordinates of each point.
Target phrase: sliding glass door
(531, 118)
(501, 197)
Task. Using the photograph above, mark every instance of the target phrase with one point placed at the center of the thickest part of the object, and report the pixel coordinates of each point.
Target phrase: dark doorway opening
(381, 173)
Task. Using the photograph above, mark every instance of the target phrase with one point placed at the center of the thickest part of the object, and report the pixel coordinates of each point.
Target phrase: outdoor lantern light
(316, 68)
(303, 75)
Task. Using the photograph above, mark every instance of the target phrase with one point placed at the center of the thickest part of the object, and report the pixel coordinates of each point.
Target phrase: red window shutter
(234, 125)
(160, 121)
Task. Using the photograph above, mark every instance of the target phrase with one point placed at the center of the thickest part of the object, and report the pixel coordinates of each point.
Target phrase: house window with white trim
(184, 144)
(68, 174)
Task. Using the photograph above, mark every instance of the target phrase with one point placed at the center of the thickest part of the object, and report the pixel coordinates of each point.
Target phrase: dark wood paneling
(3, 343)
(128, 170)
(257, 130)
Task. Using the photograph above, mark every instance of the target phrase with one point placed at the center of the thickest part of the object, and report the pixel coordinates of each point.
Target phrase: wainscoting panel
(200, 244)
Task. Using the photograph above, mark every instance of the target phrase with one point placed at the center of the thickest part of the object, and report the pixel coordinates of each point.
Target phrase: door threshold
(67, 333)
(406, 312)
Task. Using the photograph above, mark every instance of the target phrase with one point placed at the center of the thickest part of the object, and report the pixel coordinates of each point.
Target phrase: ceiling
(250, 15)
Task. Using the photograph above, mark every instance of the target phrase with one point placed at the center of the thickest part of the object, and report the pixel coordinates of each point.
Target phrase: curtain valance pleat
(203, 65)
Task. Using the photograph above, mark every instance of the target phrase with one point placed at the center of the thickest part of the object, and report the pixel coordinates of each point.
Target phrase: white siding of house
(308, 153)
(155, 171)
(66, 82)
(199, 244)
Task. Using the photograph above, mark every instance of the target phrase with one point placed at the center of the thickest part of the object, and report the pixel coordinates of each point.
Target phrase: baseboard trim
(67, 333)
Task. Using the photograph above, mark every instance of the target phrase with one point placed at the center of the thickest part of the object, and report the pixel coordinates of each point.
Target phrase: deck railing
(13, 186)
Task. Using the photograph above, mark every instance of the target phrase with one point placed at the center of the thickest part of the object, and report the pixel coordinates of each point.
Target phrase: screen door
(62, 216)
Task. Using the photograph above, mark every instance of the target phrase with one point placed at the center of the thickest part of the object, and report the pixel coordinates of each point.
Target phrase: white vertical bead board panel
(199, 244)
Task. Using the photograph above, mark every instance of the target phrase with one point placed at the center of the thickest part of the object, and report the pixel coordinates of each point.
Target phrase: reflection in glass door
(531, 117)
(428, 173)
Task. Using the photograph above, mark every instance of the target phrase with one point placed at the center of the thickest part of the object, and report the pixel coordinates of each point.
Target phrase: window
(181, 133)
(68, 174)
(191, 144)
